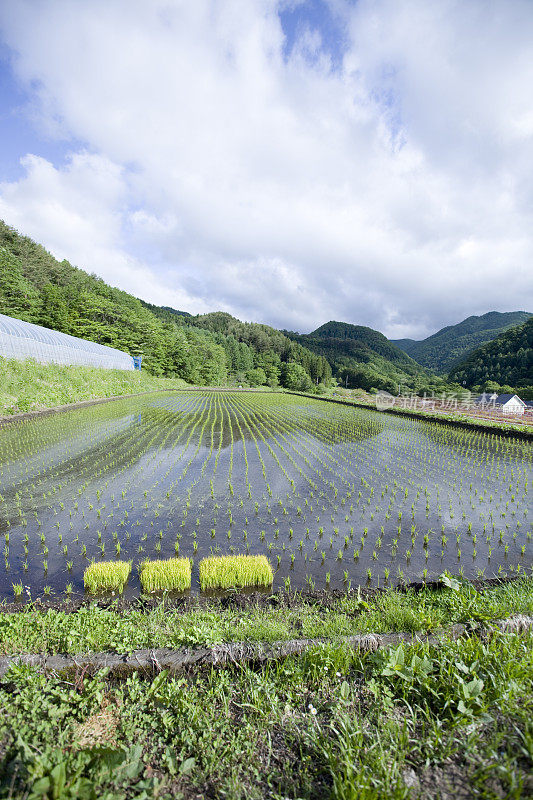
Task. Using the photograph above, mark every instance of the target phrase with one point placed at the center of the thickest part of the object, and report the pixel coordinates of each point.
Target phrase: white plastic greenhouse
(22, 340)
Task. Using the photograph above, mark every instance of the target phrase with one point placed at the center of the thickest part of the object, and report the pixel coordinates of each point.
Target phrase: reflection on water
(331, 494)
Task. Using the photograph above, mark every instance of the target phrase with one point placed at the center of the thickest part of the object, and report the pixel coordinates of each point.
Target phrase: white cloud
(78, 213)
(394, 191)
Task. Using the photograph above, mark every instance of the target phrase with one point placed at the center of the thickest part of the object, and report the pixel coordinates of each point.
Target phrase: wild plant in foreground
(174, 573)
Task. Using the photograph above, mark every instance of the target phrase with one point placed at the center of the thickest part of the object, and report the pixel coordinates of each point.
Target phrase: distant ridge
(506, 360)
(349, 337)
(441, 351)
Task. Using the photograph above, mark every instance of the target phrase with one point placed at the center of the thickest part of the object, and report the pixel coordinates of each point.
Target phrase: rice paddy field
(332, 496)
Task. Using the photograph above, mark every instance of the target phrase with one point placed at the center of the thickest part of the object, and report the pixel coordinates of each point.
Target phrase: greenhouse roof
(27, 330)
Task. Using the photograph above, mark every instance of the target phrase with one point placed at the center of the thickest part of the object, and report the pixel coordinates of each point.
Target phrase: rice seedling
(225, 572)
(106, 576)
(171, 574)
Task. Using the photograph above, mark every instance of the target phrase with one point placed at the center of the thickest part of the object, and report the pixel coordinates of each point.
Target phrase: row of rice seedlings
(274, 454)
(298, 436)
(288, 455)
(328, 483)
(293, 436)
(226, 572)
(189, 424)
(399, 516)
(78, 470)
(212, 436)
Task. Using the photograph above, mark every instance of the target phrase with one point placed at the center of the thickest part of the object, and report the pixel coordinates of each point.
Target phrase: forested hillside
(507, 360)
(362, 357)
(275, 350)
(35, 287)
(347, 336)
(444, 349)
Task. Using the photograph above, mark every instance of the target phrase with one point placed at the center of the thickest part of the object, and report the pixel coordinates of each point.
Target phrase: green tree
(54, 310)
(256, 377)
(18, 298)
(295, 378)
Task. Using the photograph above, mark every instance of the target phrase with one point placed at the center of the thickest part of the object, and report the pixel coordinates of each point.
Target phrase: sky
(287, 161)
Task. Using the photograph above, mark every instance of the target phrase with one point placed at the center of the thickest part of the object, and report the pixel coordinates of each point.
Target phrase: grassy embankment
(276, 617)
(411, 721)
(30, 386)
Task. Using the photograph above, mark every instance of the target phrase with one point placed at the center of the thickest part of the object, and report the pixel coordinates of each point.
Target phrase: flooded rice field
(333, 496)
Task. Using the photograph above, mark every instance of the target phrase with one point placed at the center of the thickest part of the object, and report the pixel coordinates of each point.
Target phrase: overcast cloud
(238, 155)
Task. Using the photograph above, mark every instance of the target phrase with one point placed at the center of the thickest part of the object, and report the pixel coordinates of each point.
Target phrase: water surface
(334, 496)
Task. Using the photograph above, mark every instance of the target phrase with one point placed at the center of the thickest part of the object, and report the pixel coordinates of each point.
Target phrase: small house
(506, 403)
(510, 404)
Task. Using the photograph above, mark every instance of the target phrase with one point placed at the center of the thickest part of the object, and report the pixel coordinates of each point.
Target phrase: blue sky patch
(314, 15)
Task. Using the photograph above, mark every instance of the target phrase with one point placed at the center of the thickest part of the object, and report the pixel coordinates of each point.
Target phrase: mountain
(444, 349)
(350, 339)
(507, 360)
(362, 357)
(36, 287)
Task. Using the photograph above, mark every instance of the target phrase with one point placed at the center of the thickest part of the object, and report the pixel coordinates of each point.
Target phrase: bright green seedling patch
(225, 572)
(174, 573)
(106, 576)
